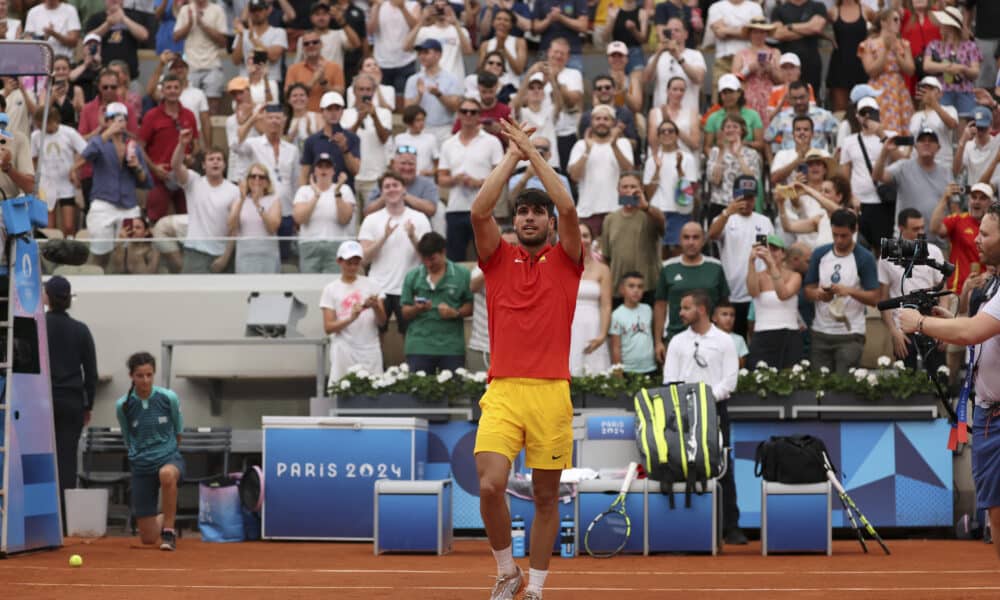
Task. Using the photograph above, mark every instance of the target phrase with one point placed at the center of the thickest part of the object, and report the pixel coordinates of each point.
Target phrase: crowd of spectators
(358, 133)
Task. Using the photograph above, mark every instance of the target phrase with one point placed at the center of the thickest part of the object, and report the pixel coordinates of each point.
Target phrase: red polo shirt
(530, 302)
(962, 232)
(161, 132)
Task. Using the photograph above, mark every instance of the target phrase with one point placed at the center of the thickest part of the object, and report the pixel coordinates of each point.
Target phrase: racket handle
(836, 483)
(633, 468)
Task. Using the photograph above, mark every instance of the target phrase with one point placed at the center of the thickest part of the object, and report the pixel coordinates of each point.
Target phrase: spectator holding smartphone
(259, 40)
(920, 180)
(135, 253)
(55, 161)
(373, 126)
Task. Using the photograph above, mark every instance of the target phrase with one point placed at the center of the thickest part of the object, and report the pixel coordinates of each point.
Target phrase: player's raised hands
(519, 135)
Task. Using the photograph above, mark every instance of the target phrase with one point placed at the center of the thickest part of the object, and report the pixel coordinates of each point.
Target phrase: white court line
(772, 590)
(466, 571)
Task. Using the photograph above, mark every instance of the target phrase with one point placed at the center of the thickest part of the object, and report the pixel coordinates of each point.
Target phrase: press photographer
(983, 333)
(896, 278)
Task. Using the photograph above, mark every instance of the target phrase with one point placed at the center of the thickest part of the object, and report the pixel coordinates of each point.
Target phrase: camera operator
(893, 284)
(982, 330)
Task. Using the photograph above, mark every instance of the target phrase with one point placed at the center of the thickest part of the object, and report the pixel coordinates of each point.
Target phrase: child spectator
(632, 328)
(352, 327)
(724, 317)
(63, 146)
(417, 141)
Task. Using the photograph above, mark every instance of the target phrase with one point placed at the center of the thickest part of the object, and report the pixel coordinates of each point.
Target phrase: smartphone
(366, 99)
(762, 57)
(127, 224)
(803, 168)
(761, 240)
(92, 49)
(628, 200)
(963, 189)
(421, 300)
(903, 140)
(259, 57)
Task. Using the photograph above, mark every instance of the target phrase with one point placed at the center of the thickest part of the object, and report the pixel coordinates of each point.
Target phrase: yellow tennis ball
(76, 560)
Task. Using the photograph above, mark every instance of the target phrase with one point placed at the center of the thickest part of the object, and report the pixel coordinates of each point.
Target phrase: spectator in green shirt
(690, 271)
(436, 299)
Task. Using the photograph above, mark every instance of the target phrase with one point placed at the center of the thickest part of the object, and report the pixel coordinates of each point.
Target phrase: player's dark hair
(168, 78)
(390, 174)
(723, 303)
(906, 214)
(844, 218)
(700, 298)
(486, 79)
(535, 197)
(631, 275)
(134, 362)
(410, 113)
(430, 244)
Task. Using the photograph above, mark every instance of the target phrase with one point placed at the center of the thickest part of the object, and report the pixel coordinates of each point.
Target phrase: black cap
(258, 4)
(58, 287)
(744, 185)
(319, 6)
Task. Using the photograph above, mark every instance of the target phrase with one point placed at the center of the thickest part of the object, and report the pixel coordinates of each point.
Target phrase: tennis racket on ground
(850, 506)
(608, 533)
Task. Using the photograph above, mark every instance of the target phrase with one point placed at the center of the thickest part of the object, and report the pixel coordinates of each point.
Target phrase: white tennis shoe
(507, 586)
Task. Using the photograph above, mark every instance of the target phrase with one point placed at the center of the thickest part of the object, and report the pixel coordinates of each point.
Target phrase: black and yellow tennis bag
(677, 431)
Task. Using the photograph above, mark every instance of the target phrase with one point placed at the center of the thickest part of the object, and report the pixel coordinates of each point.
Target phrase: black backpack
(791, 459)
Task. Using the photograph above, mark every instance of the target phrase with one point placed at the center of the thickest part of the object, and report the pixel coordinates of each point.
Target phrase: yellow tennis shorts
(534, 414)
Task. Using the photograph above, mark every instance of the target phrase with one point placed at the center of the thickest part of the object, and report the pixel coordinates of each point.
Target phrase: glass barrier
(162, 255)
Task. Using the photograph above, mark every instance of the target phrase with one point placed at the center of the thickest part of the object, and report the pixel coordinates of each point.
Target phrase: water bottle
(517, 536)
(567, 547)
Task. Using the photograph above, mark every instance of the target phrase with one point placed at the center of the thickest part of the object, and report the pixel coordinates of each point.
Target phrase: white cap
(867, 103)
(617, 48)
(931, 81)
(349, 250)
(730, 82)
(331, 99)
(537, 76)
(949, 17)
(984, 188)
(92, 37)
(790, 59)
(115, 108)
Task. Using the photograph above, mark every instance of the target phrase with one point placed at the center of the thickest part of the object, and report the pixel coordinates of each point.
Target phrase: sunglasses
(469, 111)
(311, 42)
(406, 150)
(698, 358)
(109, 87)
(257, 176)
(604, 88)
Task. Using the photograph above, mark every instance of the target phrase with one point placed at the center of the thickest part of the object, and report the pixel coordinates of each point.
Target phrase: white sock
(505, 561)
(536, 580)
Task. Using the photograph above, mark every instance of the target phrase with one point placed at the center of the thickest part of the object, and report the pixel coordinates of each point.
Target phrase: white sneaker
(507, 586)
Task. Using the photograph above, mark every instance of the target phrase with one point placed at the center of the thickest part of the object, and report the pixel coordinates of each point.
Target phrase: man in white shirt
(202, 26)
(703, 353)
(736, 230)
(595, 164)
(437, 91)
(876, 217)
(281, 158)
(260, 36)
(209, 198)
(978, 149)
(569, 85)
(353, 311)
(725, 26)
(55, 21)
(892, 285)
(842, 279)
(438, 22)
(942, 119)
(388, 23)
(674, 59)
(333, 41)
(389, 237)
(466, 159)
(373, 126)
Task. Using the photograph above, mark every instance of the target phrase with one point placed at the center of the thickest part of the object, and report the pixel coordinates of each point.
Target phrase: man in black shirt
(73, 370)
(121, 32)
(986, 15)
(802, 24)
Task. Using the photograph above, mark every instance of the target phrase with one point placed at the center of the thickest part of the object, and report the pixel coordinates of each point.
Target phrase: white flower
(802, 377)
(403, 376)
(758, 377)
(377, 384)
(944, 370)
(761, 364)
(421, 373)
(461, 372)
(884, 361)
(899, 365)
(805, 363)
(824, 371)
(744, 372)
(872, 379)
(851, 370)
(405, 368)
(345, 384)
(774, 369)
(388, 380)
(860, 374)
(820, 394)
(363, 374)
(796, 369)
(444, 376)
(480, 377)
(392, 371)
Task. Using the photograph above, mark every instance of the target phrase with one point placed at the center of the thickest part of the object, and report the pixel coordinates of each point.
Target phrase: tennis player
(150, 419)
(531, 296)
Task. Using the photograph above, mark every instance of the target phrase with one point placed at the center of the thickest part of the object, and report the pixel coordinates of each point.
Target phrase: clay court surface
(113, 569)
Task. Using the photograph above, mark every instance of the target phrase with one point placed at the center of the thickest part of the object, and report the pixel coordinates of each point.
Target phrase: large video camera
(909, 254)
